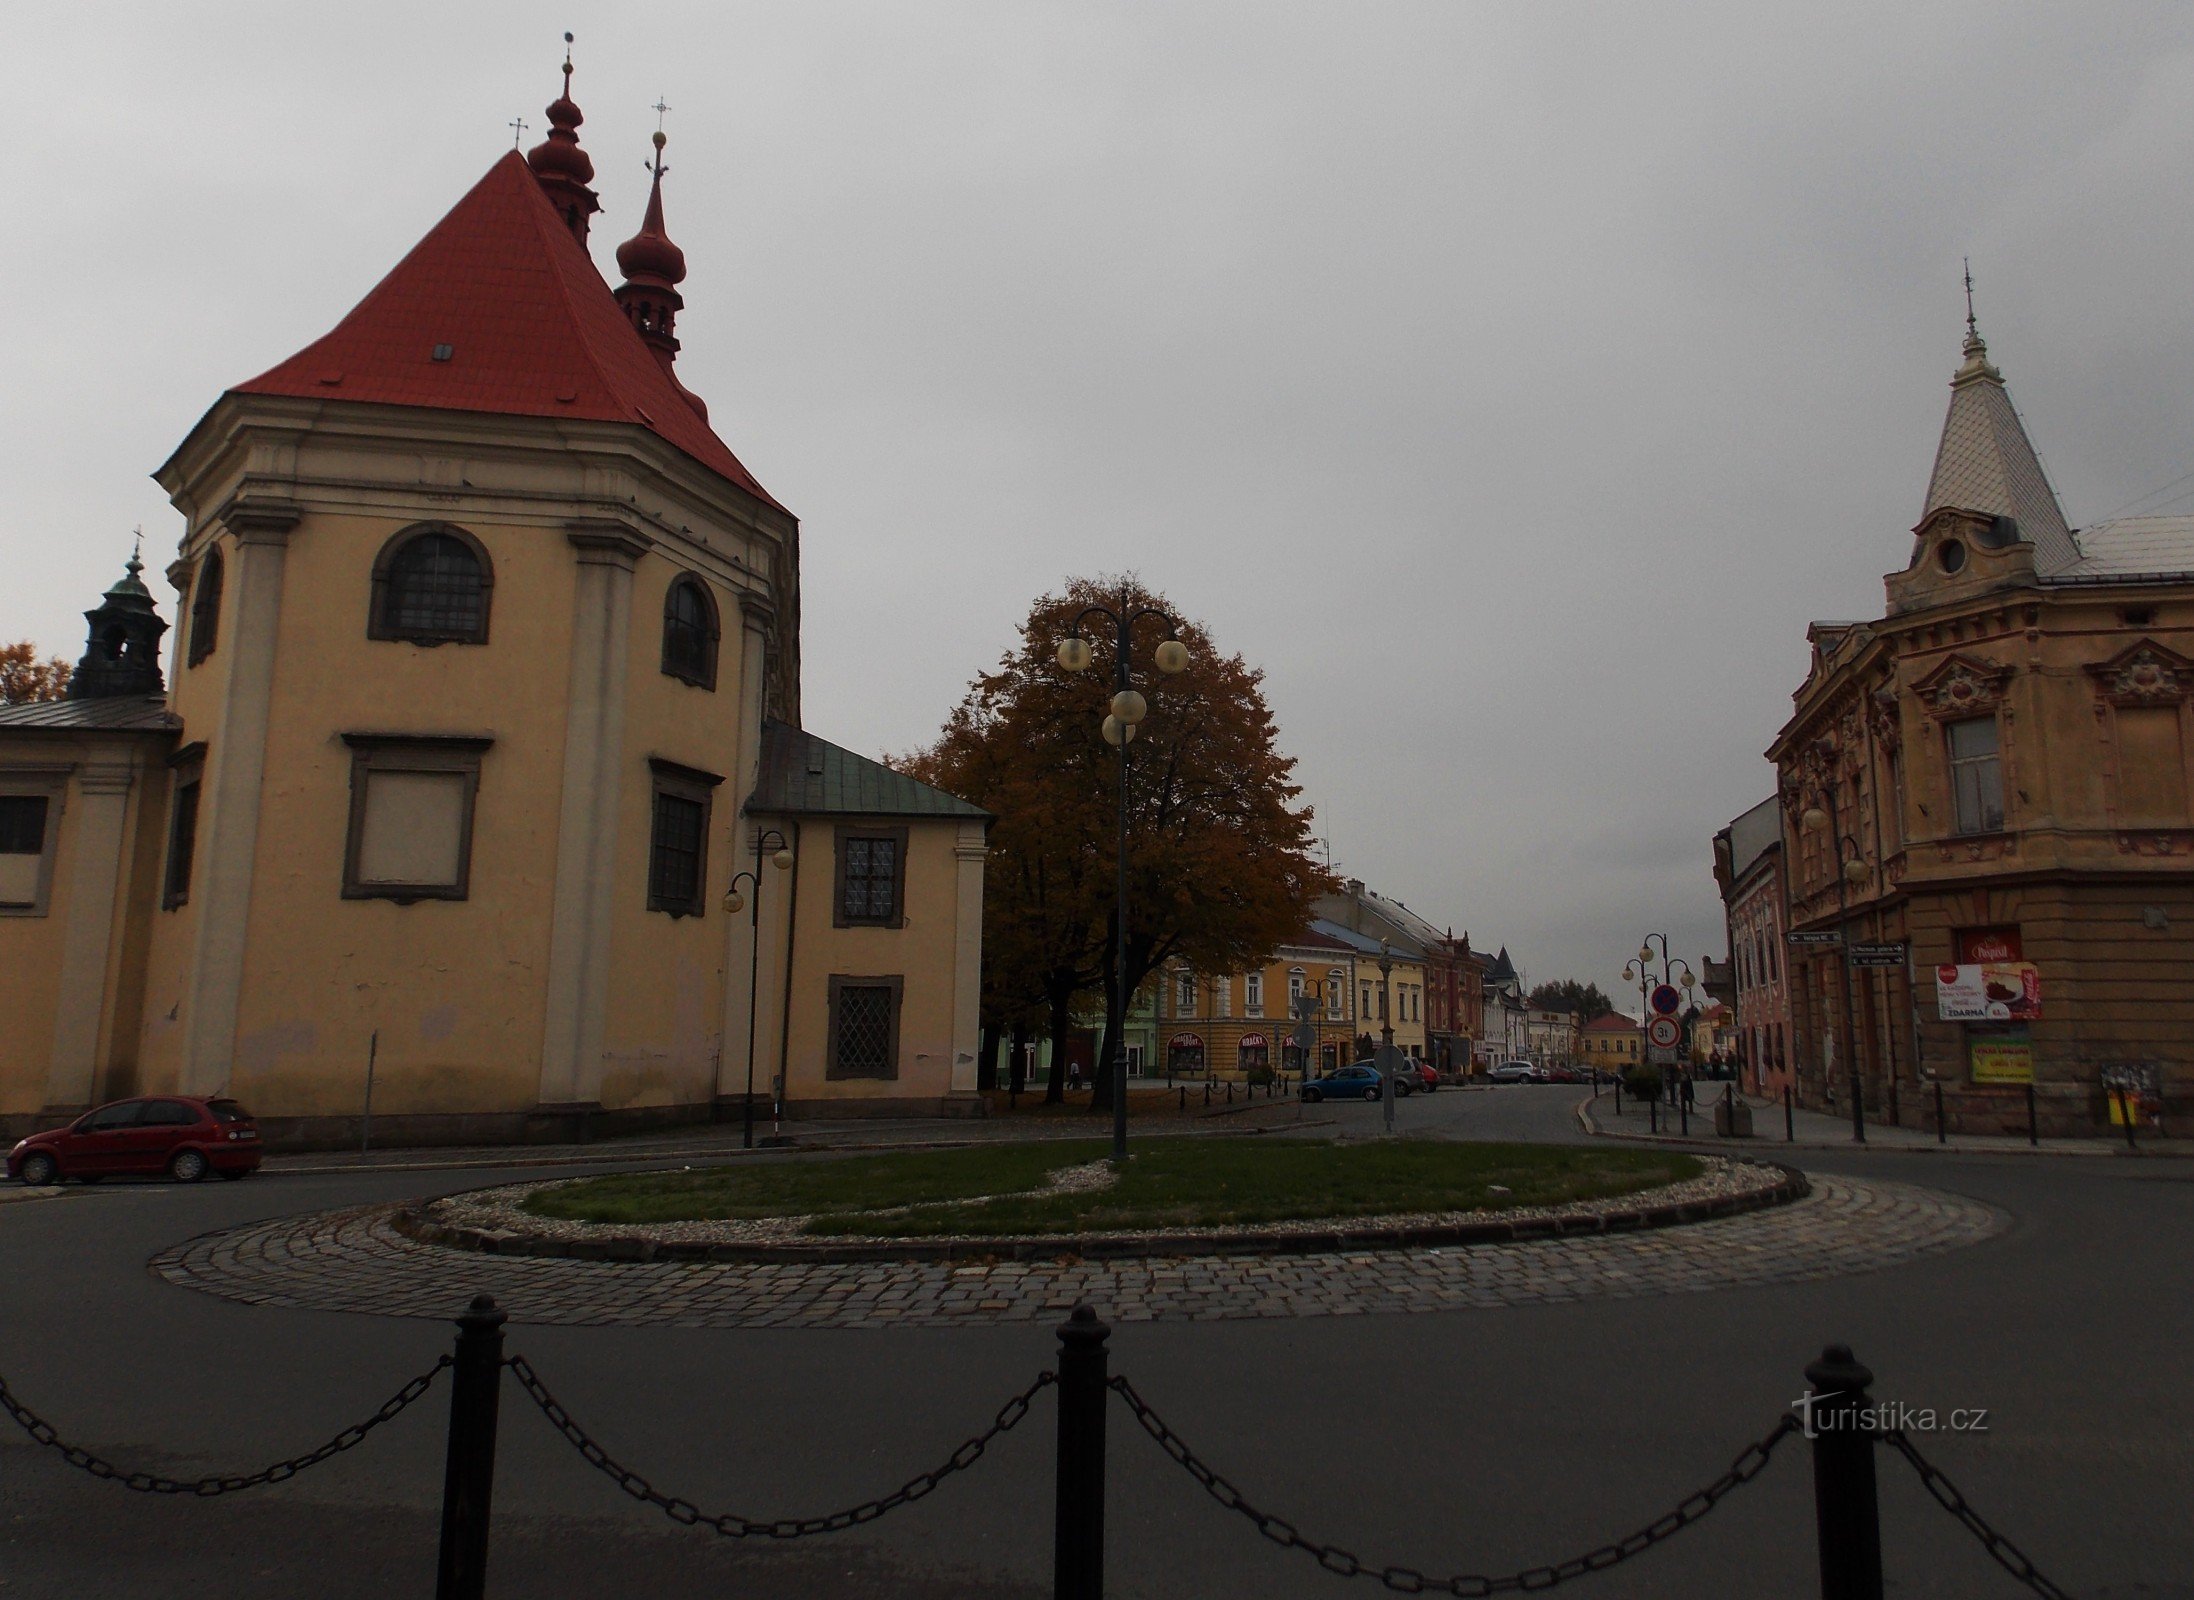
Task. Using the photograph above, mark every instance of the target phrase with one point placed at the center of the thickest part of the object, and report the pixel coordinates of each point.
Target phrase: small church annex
(474, 764)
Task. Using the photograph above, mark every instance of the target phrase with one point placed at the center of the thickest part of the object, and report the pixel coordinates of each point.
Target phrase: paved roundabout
(358, 1260)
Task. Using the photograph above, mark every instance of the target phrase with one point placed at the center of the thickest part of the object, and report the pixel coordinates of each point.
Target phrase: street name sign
(1823, 936)
(1885, 957)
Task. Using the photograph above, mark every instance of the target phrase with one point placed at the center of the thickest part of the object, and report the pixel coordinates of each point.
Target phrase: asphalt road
(1478, 1441)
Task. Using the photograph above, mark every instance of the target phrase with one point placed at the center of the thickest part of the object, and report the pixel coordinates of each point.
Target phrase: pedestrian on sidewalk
(1691, 1098)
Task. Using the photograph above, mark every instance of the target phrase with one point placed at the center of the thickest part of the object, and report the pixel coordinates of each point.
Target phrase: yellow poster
(2001, 1057)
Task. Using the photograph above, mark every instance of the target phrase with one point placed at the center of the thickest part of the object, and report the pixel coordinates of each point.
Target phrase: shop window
(1976, 775)
(871, 873)
(431, 585)
(690, 632)
(411, 811)
(864, 1027)
(678, 839)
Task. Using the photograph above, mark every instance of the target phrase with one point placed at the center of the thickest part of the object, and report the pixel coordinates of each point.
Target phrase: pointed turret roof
(1986, 463)
(500, 309)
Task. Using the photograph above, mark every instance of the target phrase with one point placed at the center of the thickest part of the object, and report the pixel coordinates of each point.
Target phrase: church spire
(122, 652)
(653, 269)
(564, 169)
(1985, 463)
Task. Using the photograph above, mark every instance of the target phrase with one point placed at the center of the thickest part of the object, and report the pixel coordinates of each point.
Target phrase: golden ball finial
(661, 139)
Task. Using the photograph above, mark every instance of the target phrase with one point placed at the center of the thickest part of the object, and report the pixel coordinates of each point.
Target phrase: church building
(476, 778)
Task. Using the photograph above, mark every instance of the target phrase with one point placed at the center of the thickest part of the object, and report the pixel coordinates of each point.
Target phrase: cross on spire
(1971, 330)
(517, 126)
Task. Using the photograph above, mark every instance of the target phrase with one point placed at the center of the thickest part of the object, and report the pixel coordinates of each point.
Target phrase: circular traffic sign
(1664, 1032)
(1666, 999)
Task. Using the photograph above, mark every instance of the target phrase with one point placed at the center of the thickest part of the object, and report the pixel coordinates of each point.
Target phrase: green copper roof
(803, 776)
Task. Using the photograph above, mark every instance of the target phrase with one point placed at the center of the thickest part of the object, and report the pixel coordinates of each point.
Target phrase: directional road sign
(1884, 956)
(1815, 936)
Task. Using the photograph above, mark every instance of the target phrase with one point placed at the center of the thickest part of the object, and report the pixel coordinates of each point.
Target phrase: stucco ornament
(2146, 675)
(1963, 687)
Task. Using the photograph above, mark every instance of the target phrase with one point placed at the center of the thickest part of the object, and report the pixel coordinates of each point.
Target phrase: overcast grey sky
(1513, 383)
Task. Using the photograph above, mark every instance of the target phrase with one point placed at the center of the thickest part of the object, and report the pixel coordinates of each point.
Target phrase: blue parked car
(1357, 1081)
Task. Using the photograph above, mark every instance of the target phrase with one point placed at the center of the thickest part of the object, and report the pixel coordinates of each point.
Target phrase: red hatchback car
(181, 1135)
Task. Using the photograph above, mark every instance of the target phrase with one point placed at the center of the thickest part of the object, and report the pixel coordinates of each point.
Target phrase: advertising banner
(1994, 991)
(2001, 1057)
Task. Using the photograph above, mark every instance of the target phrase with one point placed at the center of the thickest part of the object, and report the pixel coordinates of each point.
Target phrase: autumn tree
(1582, 1000)
(24, 678)
(1220, 870)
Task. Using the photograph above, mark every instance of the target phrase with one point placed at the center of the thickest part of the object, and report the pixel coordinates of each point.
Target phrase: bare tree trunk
(986, 1061)
(1061, 998)
(1017, 1068)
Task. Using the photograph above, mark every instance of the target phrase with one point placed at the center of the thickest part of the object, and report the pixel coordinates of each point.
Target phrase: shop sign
(1253, 1041)
(1992, 991)
(2005, 1057)
(1188, 1041)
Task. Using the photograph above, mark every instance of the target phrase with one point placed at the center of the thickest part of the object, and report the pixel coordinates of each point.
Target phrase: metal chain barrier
(205, 1488)
(1750, 1463)
(2006, 1554)
(731, 1525)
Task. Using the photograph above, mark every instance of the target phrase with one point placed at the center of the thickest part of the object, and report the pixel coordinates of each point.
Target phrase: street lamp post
(1386, 1033)
(735, 902)
(1126, 714)
(1850, 868)
(1641, 971)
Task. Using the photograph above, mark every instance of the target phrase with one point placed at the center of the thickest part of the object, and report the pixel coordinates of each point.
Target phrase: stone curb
(412, 1221)
(1715, 1144)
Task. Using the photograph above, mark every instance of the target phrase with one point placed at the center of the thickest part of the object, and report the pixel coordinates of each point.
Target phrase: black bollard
(2033, 1122)
(1184, 1097)
(1846, 1514)
(1790, 1118)
(1078, 1527)
(1942, 1128)
(469, 1480)
(1653, 1113)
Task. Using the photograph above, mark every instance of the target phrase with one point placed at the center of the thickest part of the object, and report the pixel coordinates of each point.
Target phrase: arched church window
(205, 608)
(431, 585)
(690, 632)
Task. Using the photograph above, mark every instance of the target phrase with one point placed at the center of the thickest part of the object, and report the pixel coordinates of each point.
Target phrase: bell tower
(122, 652)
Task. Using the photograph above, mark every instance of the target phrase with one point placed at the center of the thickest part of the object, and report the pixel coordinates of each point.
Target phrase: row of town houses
(1445, 1002)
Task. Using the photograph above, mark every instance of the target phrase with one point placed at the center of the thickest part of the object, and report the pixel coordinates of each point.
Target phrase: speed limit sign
(1663, 1032)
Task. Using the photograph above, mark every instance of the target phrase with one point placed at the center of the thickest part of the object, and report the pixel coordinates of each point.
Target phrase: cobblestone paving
(354, 1261)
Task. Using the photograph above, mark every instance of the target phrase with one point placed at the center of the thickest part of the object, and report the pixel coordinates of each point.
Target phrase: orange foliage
(24, 678)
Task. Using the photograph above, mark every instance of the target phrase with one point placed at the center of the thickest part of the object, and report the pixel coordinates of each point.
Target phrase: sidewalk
(1817, 1130)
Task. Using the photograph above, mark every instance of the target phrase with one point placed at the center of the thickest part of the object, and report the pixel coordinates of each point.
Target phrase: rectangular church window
(871, 889)
(678, 842)
(411, 811)
(864, 1027)
(22, 850)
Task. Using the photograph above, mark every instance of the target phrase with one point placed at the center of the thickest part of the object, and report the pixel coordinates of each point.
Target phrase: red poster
(1985, 946)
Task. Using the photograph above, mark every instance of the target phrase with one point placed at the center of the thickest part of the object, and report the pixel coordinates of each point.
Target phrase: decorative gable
(1962, 687)
(2145, 675)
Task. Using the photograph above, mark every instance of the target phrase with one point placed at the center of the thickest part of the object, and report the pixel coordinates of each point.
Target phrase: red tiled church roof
(531, 327)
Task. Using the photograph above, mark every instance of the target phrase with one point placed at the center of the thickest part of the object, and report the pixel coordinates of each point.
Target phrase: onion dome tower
(653, 269)
(564, 170)
(122, 652)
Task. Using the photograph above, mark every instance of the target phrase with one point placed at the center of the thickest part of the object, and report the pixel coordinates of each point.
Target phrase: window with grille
(1976, 775)
(431, 586)
(690, 633)
(864, 1027)
(871, 877)
(205, 609)
(678, 839)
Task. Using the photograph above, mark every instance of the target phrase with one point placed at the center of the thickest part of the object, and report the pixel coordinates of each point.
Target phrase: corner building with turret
(477, 759)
